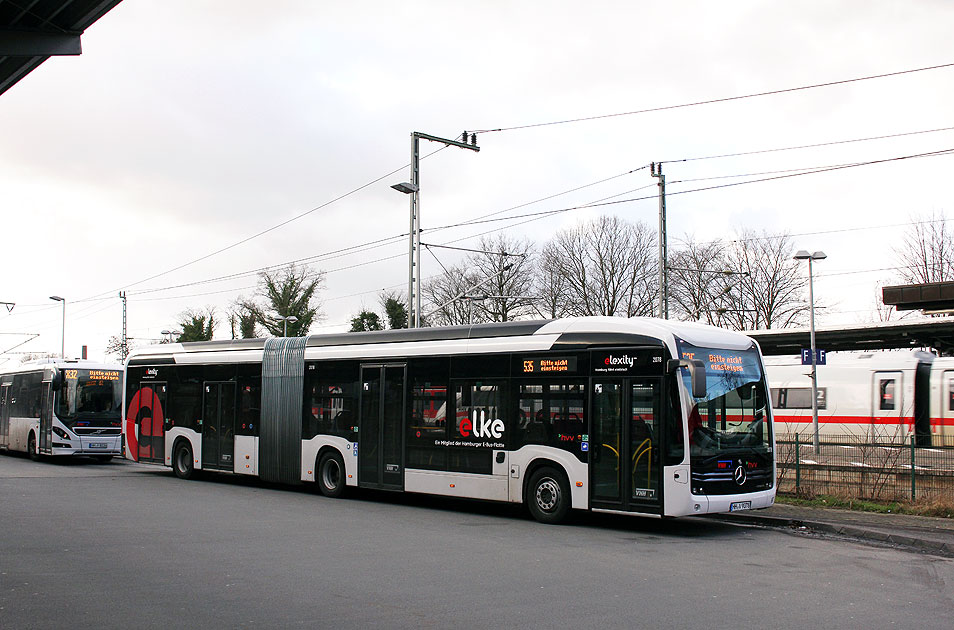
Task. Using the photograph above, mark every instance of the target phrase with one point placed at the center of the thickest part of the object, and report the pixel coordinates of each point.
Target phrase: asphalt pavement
(919, 533)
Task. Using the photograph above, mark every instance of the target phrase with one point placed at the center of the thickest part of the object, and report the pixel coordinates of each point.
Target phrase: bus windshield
(732, 416)
(88, 397)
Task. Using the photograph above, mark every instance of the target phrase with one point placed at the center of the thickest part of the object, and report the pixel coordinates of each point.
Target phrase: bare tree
(772, 287)
(551, 286)
(114, 347)
(608, 265)
(701, 281)
(927, 252)
(493, 285)
(507, 266)
(443, 294)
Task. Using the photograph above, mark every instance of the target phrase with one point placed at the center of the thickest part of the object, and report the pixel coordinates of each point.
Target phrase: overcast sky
(187, 126)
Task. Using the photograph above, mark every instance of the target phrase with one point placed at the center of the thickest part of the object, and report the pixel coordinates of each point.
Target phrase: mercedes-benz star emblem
(739, 474)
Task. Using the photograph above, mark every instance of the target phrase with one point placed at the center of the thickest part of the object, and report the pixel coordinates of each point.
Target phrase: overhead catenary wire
(808, 146)
(715, 100)
(267, 230)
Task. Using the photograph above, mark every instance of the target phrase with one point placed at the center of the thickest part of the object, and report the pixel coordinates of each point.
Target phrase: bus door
(150, 422)
(5, 414)
(887, 404)
(381, 426)
(625, 465)
(46, 418)
(218, 426)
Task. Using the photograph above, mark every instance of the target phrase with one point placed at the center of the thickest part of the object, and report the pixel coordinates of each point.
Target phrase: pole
(656, 170)
(124, 346)
(798, 470)
(811, 302)
(416, 200)
(63, 333)
(912, 466)
(412, 230)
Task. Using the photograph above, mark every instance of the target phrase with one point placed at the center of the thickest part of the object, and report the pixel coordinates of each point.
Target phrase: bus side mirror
(697, 374)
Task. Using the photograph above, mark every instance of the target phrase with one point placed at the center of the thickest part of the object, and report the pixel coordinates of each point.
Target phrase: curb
(848, 531)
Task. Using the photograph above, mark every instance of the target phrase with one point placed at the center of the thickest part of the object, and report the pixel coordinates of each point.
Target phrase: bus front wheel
(182, 463)
(331, 475)
(548, 495)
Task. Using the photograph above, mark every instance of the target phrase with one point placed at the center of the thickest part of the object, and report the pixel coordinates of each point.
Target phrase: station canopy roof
(32, 31)
(937, 333)
(930, 296)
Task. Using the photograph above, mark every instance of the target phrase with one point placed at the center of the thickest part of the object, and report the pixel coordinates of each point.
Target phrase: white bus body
(588, 413)
(58, 407)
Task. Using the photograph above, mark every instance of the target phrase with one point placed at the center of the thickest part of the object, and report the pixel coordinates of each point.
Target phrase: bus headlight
(61, 433)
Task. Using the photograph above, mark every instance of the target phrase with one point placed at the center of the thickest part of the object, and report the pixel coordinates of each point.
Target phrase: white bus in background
(62, 407)
(637, 416)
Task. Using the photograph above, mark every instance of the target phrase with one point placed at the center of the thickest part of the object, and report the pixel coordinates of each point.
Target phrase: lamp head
(405, 187)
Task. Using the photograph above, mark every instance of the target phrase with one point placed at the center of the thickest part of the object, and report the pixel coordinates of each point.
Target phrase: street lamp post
(57, 298)
(169, 334)
(413, 188)
(819, 255)
(285, 320)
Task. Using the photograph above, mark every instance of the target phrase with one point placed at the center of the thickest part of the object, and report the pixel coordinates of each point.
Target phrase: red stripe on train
(949, 422)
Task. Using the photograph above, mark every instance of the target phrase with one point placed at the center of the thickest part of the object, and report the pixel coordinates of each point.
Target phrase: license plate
(98, 445)
(741, 505)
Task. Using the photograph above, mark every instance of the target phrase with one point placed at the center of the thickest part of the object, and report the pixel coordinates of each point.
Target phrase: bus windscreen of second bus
(729, 428)
(86, 395)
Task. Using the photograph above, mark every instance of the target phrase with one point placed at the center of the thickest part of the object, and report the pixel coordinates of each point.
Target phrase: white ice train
(881, 395)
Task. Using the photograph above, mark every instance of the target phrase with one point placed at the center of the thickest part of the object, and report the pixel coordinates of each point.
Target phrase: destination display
(550, 365)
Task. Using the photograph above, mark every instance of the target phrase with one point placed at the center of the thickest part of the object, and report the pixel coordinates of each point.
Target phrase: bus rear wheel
(331, 475)
(548, 495)
(182, 463)
(31, 448)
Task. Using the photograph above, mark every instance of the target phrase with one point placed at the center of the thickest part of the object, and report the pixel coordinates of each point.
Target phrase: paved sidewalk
(920, 533)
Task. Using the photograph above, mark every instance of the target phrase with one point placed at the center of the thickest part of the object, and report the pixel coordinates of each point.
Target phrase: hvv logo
(481, 426)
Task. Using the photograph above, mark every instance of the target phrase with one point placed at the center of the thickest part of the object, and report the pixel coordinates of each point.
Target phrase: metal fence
(856, 467)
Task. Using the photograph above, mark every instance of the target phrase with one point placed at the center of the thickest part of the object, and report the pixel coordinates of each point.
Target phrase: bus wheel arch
(183, 462)
(330, 474)
(546, 491)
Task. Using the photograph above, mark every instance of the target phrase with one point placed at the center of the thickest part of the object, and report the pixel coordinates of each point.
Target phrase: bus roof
(535, 335)
(42, 364)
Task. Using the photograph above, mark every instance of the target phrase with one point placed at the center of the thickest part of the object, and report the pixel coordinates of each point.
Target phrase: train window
(887, 393)
(950, 395)
(798, 397)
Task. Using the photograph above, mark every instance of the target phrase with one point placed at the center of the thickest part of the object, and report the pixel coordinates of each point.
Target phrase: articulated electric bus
(57, 407)
(636, 416)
